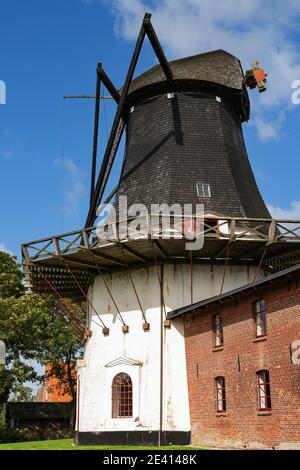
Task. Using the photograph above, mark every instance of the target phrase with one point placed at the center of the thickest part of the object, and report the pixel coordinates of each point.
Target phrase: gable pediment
(127, 361)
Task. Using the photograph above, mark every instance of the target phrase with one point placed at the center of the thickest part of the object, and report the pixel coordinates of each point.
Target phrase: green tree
(33, 328)
(22, 393)
(6, 383)
(10, 276)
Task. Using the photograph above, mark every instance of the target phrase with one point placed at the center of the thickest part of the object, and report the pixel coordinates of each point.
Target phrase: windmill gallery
(181, 344)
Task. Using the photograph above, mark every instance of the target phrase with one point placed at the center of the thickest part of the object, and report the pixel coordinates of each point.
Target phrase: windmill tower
(184, 145)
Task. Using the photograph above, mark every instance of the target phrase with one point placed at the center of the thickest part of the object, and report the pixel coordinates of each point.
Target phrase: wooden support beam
(157, 47)
(85, 240)
(25, 254)
(109, 86)
(56, 246)
(220, 250)
(111, 259)
(71, 260)
(118, 126)
(133, 252)
(162, 252)
(272, 232)
(113, 144)
(96, 132)
(249, 252)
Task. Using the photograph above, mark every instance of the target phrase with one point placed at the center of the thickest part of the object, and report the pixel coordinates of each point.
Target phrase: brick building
(55, 389)
(243, 365)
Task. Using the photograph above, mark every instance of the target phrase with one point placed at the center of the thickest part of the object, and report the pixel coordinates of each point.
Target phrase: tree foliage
(22, 393)
(10, 276)
(33, 330)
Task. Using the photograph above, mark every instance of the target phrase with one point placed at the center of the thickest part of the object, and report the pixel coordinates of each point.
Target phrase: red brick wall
(242, 426)
(53, 390)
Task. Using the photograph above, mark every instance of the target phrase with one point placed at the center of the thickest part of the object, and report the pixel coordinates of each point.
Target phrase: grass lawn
(67, 444)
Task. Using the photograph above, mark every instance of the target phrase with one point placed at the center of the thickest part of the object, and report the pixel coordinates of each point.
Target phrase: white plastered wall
(144, 347)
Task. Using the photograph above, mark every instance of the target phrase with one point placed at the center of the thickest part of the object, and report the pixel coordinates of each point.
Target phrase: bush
(32, 433)
(2, 420)
(7, 436)
(10, 435)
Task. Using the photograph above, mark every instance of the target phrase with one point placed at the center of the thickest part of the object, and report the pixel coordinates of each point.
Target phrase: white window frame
(205, 190)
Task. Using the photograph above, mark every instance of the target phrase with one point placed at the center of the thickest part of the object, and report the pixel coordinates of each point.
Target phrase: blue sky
(51, 48)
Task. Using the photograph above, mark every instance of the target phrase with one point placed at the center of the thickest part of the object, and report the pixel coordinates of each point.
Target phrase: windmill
(184, 145)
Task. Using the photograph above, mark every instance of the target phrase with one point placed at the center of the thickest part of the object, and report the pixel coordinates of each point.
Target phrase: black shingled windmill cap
(185, 141)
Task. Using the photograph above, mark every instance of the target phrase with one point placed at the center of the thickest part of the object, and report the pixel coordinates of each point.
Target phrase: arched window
(122, 396)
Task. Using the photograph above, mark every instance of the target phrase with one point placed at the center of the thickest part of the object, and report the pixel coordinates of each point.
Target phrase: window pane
(122, 396)
(220, 394)
(264, 323)
(218, 330)
(203, 190)
(260, 317)
(259, 330)
(264, 390)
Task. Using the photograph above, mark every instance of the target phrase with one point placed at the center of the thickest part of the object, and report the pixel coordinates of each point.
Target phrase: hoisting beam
(104, 78)
(117, 127)
(82, 97)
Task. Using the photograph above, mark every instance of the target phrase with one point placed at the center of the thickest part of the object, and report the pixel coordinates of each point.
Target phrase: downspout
(161, 356)
(78, 404)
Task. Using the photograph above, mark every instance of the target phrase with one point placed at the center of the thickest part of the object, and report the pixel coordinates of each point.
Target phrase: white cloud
(256, 29)
(74, 186)
(269, 125)
(293, 213)
(4, 249)
(266, 130)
